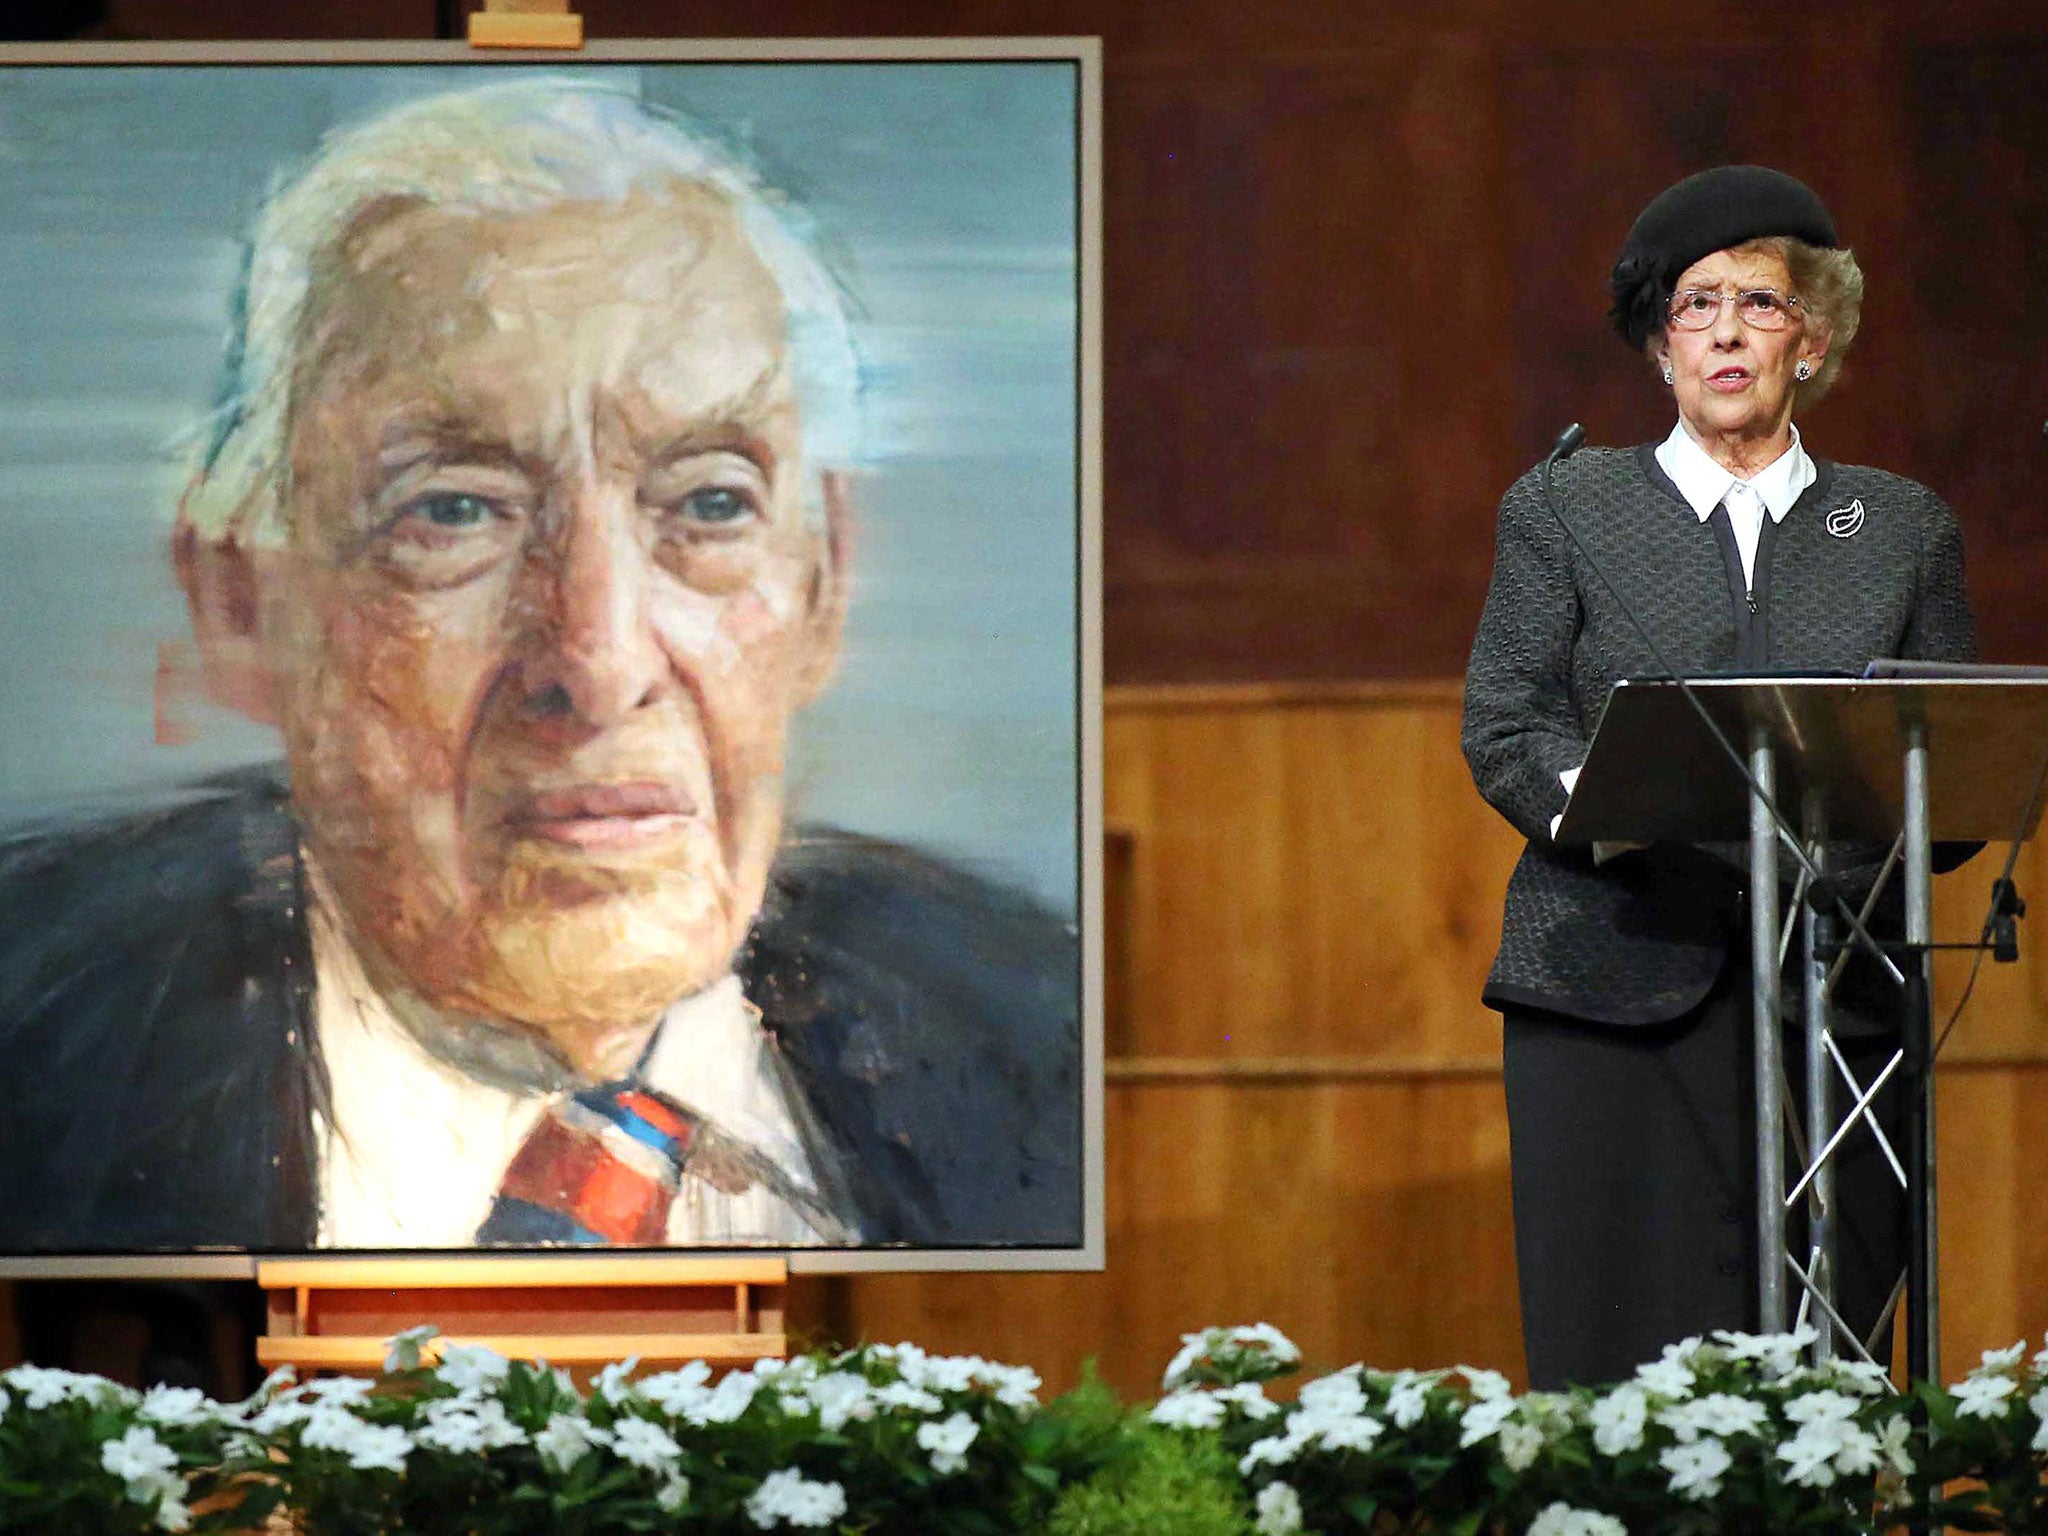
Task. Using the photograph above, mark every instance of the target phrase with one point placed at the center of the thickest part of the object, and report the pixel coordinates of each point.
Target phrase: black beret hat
(1695, 217)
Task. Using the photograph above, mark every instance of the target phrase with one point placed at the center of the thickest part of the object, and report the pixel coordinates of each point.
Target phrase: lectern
(1904, 760)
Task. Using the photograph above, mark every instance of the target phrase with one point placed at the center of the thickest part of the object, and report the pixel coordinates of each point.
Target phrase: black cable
(2003, 900)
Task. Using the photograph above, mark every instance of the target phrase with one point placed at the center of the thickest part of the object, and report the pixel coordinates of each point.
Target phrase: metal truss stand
(1903, 761)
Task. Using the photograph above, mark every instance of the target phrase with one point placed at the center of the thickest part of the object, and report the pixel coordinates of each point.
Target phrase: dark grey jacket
(157, 1075)
(1642, 939)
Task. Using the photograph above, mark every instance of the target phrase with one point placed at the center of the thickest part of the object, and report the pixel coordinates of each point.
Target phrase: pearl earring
(1667, 374)
(1804, 371)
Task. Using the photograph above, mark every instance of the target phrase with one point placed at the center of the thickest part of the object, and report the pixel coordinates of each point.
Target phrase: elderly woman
(1624, 984)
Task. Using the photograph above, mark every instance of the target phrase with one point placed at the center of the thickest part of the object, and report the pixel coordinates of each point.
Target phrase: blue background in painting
(949, 188)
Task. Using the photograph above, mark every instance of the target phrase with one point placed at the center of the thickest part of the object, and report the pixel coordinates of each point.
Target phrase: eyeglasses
(1761, 309)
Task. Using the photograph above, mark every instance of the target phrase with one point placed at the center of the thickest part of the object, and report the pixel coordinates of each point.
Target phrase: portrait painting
(546, 656)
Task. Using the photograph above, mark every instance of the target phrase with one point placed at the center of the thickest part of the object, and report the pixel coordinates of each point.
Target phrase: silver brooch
(1844, 522)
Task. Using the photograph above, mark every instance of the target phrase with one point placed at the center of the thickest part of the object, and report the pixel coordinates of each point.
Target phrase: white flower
(1408, 1398)
(348, 1391)
(284, 1376)
(1895, 1441)
(1189, 1408)
(402, 1351)
(1666, 1378)
(1279, 1510)
(789, 1498)
(1274, 1450)
(1809, 1456)
(2003, 1359)
(1862, 1377)
(1483, 1418)
(2039, 1403)
(1860, 1451)
(5, 1400)
(138, 1457)
(725, 1402)
(673, 1392)
(379, 1447)
(1683, 1351)
(839, 1396)
(1015, 1386)
(1349, 1432)
(1618, 1420)
(1983, 1397)
(457, 1433)
(902, 1397)
(1696, 1468)
(1519, 1445)
(282, 1414)
(1228, 1346)
(1338, 1393)
(472, 1367)
(1265, 1336)
(1776, 1353)
(368, 1447)
(947, 1442)
(614, 1383)
(1563, 1520)
(173, 1513)
(465, 1426)
(42, 1386)
(567, 1440)
(645, 1444)
(1718, 1413)
(674, 1494)
(1486, 1385)
(177, 1405)
(1822, 1407)
(947, 1373)
(1251, 1397)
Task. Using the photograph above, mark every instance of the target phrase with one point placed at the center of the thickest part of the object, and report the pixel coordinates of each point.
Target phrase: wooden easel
(525, 24)
(335, 1314)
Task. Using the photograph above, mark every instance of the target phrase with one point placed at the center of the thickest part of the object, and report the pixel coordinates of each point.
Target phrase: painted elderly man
(521, 524)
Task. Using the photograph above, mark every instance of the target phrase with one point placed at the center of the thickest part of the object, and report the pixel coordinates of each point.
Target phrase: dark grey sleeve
(1941, 628)
(1521, 729)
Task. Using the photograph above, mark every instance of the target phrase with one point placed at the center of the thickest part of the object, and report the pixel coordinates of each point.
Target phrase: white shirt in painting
(412, 1148)
(1706, 485)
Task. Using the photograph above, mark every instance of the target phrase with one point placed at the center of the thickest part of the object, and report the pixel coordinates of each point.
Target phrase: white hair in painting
(509, 148)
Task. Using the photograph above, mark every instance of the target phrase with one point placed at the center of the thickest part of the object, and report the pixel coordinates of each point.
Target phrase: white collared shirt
(412, 1149)
(1706, 485)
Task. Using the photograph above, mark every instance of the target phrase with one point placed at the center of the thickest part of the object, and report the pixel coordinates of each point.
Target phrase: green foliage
(1161, 1482)
(1734, 1434)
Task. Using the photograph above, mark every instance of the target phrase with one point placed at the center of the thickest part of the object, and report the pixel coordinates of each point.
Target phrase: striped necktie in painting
(604, 1165)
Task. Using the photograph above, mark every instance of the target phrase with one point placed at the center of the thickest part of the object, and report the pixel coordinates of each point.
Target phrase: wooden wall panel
(1367, 1219)
(1311, 874)
(1994, 1164)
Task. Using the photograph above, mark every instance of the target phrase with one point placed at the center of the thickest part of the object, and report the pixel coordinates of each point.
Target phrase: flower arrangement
(1734, 1432)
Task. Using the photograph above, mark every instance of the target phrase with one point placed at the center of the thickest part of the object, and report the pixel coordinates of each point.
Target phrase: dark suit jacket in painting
(1642, 939)
(157, 1076)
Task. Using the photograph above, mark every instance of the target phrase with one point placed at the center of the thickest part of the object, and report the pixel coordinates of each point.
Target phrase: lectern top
(1655, 772)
